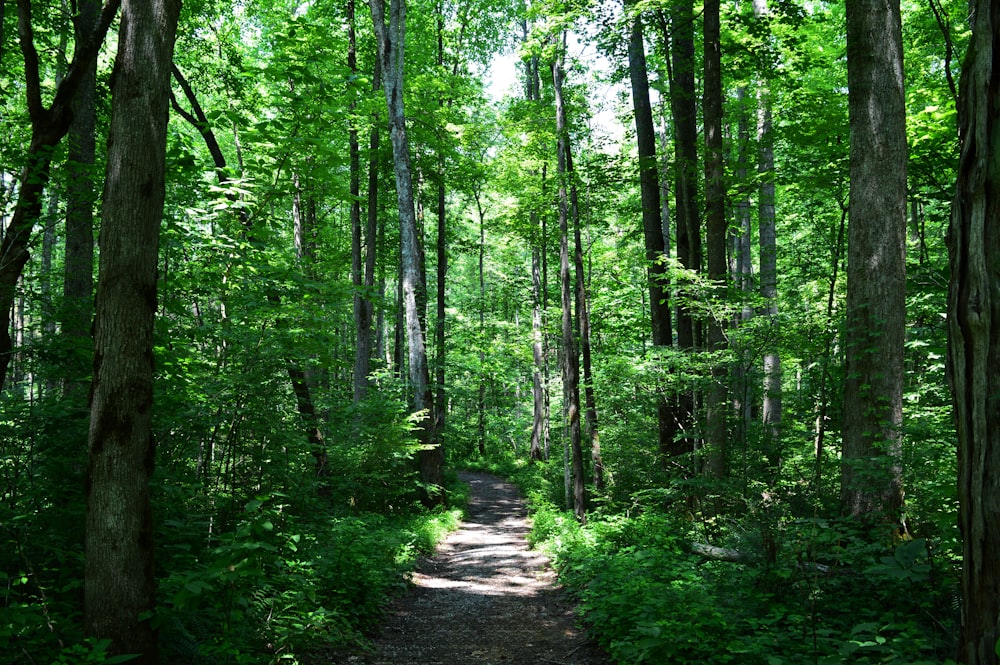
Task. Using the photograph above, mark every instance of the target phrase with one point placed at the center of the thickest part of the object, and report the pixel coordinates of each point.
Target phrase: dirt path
(484, 598)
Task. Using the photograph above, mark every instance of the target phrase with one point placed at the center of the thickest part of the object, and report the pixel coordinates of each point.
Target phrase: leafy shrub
(831, 597)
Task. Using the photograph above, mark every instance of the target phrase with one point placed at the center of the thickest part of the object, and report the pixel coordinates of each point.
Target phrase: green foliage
(829, 596)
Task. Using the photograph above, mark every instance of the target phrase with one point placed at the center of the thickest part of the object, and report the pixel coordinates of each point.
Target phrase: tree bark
(391, 40)
(871, 474)
(684, 111)
(974, 336)
(771, 412)
(119, 581)
(362, 307)
(652, 227)
(571, 358)
(440, 400)
(536, 452)
(716, 435)
(78, 281)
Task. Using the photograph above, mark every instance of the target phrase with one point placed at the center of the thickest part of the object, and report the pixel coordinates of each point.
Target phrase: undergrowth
(826, 596)
(279, 586)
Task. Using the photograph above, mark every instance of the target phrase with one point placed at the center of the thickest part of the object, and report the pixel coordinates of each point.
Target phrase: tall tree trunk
(871, 472)
(481, 402)
(440, 400)
(78, 282)
(362, 323)
(48, 126)
(684, 111)
(583, 329)
(974, 336)
(370, 331)
(772, 404)
(539, 449)
(741, 270)
(536, 451)
(716, 435)
(571, 359)
(652, 227)
(391, 41)
(119, 579)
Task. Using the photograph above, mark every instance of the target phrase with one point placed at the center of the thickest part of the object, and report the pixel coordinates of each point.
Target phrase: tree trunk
(571, 359)
(772, 406)
(119, 581)
(539, 449)
(48, 126)
(583, 325)
(716, 435)
(481, 402)
(536, 451)
(652, 227)
(974, 336)
(440, 400)
(359, 273)
(871, 475)
(78, 282)
(684, 111)
(391, 39)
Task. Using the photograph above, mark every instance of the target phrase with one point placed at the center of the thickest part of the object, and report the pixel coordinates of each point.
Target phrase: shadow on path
(484, 598)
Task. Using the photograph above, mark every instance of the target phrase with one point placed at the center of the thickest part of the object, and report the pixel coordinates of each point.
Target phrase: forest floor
(484, 598)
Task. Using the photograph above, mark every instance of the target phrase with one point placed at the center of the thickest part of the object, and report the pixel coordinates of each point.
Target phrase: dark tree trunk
(684, 111)
(78, 281)
(119, 578)
(974, 336)
(716, 435)
(583, 330)
(362, 332)
(48, 126)
(391, 40)
(652, 227)
(440, 400)
(871, 475)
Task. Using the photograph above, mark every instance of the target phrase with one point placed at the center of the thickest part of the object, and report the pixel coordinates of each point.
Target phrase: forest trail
(484, 598)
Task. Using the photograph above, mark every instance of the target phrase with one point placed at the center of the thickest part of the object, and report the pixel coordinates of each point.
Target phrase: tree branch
(200, 122)
(26, 36)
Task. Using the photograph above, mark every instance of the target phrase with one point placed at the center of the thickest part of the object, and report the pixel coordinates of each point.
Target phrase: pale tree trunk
(538, 396)
(571, 358)
(716, 434)
(539, 449)
(48, 126)
(871, 473)
(772, 406)
(742, 394)
(652, 227)
(119, 578)
(391, 40)
(481, 403)
(974, 336)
